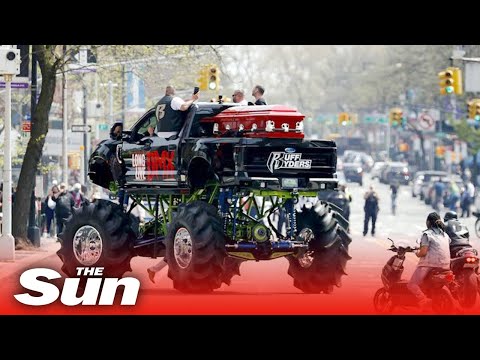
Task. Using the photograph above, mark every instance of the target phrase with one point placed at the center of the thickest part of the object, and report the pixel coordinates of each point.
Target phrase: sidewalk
(48, 247)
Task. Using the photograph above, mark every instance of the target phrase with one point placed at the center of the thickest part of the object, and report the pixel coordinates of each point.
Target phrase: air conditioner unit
(9, 61)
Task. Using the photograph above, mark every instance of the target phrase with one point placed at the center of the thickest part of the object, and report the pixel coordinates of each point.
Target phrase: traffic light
(343, 118)
(474, 109)
(74, 161)
(396, 117)
(203, 79)
(451, 81)
(457, 81)
(213, 77)
(440, 151)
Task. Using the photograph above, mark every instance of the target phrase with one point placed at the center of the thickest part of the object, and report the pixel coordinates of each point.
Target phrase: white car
(377, 169)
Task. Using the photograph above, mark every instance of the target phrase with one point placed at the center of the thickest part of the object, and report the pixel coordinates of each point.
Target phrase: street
(265, 287)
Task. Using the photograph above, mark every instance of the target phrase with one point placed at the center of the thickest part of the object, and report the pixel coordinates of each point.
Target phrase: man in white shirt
(239, 97)
(169, 110)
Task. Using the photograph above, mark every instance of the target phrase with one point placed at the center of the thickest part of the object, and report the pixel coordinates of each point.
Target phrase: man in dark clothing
(371, 210)
(169, 111)
(64, 206)
(257, 93)
(394, 192)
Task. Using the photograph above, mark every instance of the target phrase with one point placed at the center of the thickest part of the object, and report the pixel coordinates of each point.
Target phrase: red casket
(265, 121)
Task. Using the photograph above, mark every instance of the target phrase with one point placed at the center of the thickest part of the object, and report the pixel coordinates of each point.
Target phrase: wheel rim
(87, 245)
(183, 248)
(306, 259)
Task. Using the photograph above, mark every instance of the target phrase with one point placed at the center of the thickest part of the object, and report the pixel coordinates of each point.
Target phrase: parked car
(424, 177)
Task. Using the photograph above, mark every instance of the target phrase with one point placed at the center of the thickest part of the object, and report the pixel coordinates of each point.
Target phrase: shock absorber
(292, 218)
(223, 207)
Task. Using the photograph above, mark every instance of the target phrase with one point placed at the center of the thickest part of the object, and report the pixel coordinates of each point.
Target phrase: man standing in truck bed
(169, 110)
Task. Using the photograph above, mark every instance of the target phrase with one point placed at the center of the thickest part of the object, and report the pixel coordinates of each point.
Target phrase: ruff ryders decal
(287, 160)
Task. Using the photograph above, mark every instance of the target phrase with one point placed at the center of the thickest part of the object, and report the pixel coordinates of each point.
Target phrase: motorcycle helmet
(449, 215)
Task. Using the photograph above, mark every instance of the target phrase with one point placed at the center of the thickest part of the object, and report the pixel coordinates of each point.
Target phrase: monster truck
(213, 192)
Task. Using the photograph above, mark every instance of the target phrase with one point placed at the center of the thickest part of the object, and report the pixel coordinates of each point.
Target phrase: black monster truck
(213, 191)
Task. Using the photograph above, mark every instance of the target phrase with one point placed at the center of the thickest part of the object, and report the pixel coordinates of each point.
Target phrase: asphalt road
(266, 288)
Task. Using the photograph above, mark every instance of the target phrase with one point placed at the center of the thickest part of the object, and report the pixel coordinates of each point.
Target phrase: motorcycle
(465, 265)
(395, 293)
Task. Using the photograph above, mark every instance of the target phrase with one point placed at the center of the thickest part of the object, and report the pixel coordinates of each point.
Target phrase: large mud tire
(195, 249)
(329, 251)
(98, 234)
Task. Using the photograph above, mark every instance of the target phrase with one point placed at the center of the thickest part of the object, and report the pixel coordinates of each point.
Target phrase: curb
(48, 247)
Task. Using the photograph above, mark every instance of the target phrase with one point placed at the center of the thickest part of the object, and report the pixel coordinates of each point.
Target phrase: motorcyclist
(433, 253)
(457, 232)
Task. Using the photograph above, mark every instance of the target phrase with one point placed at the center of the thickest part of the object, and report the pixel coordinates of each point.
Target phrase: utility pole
(388, 140)
(33, 232)
(110, 85)
(65, 124)
(7, 243)
(85, 137)
(110, 101)
(124, 95)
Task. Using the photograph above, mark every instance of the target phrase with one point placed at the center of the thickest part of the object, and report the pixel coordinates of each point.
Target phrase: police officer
(169, 110)
(457, 232)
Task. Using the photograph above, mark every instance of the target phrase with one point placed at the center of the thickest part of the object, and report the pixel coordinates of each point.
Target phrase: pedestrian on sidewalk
(468, 197)
(371, 209)
(50, 208)
(64, 206)
(393, 194)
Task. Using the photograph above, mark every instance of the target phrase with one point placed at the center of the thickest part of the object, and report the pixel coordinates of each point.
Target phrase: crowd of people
(454, 196)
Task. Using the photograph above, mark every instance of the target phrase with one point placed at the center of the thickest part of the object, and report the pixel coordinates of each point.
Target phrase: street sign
(103, 127)
(26, 126)
(426, 122)
(81, 128)
(15, 84)
(472, 77)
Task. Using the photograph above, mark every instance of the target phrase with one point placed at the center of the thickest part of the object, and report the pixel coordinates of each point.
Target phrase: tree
(471, 136)
(50, 62)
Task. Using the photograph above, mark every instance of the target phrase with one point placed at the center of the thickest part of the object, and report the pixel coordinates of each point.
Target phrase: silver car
(423, 177)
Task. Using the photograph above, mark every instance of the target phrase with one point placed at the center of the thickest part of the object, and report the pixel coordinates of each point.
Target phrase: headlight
(359, 170)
